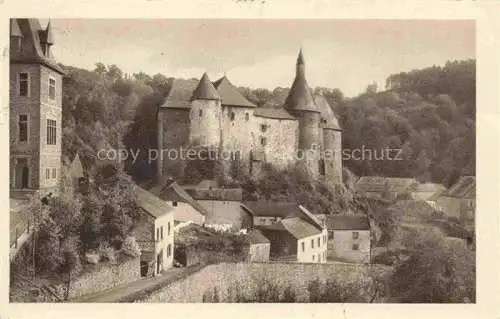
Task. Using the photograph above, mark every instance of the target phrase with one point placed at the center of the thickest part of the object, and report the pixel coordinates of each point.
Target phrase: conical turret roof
(49, 37)
(15, 31)
(205, 90)
(300, 97)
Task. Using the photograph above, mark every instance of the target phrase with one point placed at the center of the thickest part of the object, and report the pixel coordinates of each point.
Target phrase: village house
(349, 238)
(154, 233)
(187, 208)
(390, 188)
(459, 200)
(295, 233)
(222, 206)
(259, 247)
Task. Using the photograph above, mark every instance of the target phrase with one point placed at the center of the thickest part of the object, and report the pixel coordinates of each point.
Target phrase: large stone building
(219, 117)
(35, 108)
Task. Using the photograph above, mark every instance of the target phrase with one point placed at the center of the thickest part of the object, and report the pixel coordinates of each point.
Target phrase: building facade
(217, 116)
(349, 238)
(35, 108)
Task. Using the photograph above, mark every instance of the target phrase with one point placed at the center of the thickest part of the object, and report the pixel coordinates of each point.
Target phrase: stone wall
(105, 276)
(249, 275)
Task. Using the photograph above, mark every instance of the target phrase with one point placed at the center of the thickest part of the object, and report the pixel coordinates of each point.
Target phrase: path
(118, 293)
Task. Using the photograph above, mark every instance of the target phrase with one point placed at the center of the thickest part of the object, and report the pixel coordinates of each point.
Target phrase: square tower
(35, 108)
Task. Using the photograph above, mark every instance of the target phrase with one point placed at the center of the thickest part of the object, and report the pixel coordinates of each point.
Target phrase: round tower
(301, 104)
(205, 115)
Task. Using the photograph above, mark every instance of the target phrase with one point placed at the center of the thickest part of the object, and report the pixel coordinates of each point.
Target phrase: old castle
(305, 130)
(35, 108)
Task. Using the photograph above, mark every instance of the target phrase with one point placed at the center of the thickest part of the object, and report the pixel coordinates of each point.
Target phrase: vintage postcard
(261, 160)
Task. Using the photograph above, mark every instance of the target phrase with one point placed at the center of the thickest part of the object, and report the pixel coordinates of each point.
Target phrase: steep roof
(379, 184)
(32, 52)
(230, 95)
(331, 120)
(273, 113)
(171, 191)
(465, 187)
(341, 222)
(256, 237)
(76, 169)
(428, 187)
(151, 204)
(300, 97)
(272, 209)
(49, 36)
(180, 92)
(205, 90)
(299, 228)
(15, 31)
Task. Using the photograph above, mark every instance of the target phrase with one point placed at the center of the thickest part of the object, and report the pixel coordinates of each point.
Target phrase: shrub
(130, 247)
(107, 252)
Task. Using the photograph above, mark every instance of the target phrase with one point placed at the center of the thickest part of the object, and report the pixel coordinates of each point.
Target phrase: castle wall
(332, 151)
(174, 129)
(281, 140)
(310, 142)
(205, 118)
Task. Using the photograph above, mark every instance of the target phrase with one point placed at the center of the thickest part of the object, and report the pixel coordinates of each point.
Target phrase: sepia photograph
(242, 161)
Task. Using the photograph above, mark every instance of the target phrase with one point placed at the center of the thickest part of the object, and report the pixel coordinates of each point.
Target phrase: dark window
(23, 128)
(321, 167)
(355, 235)
(54, 174)
(330, 234)
(355, 247)
(303, 247)
(263, 141)
(314, 256)
(52, 89)
(51, 132)
(169, 250)
(263, 127)
(174, 203)
(232, 116)
(47, 173)
(157, 233)
(161, 232)
(200, 112)
(319, 242)
(312, 243)
(23, 84)
(168, 228)
(247, 116)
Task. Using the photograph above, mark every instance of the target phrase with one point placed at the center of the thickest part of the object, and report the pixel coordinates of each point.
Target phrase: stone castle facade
(303, 131)
(35, 108)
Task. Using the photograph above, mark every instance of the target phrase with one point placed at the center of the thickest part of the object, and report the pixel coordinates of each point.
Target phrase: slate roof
(32, 52)
(465, 187)
(379, 184)
(256, 237)
(230, 95)
(300, 97)
(151, 203)
(273, 113)
(341, 222)
(327, 113)
(171, 191)
(205, 90)
(297, 227)
(179, 94)
(272, 209)
(219, 194)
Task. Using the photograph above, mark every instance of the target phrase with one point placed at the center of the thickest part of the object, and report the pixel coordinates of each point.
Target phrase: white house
(349, 238)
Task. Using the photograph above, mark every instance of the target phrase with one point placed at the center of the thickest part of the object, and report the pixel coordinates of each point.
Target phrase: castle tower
(35, 108)
(301, 104)
(205, 115)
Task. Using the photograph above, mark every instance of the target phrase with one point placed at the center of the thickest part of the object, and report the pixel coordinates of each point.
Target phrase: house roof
(414, 207)
(300, 97)
(379, 184)
(272, 209)
(295, 226)
(341, 222)
(428, 187)
(230, 94)
(273, 113)
(171, 191)
(219, 194)
(76, 168)
(180, 92)
(151, 203)
(31, 31)
(256, 237)
(436, 195)
(465, 187)
(205, 90)
(327, 113)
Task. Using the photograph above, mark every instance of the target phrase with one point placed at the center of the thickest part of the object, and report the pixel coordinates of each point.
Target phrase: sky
(344, 54)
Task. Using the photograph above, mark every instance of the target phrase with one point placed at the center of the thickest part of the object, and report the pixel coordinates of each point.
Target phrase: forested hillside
(428, 113)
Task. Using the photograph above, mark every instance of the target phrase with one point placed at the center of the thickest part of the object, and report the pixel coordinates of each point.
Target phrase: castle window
(168, 232)
(330, 234)
(23, 128)
(47, 173)
(312, 243)
(200, 113)
(263, 141)
(232, 116)
(23, 82)
(169, 250)
(52, 88)
(247, 116)
(303, 246)
(54, 172)
(263, 127)
(355, 235)
(355, 247)
(174, 204)
(51, 132)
